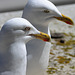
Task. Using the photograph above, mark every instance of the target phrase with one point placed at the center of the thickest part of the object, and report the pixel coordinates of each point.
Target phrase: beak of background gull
(65, 19)
(43, 36)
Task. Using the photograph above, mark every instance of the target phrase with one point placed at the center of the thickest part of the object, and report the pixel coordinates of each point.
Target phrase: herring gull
(39, 13)
(14, 34)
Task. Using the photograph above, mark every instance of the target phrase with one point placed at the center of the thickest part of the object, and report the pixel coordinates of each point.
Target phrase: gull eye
(46, 11)
(27, 29)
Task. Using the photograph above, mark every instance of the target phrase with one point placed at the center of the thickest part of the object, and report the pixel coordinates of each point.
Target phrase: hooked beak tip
(65, 19)
(42, 36)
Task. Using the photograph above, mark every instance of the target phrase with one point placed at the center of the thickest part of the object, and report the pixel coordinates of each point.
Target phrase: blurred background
(10, 5)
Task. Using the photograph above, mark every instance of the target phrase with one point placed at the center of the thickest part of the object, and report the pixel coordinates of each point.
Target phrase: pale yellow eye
(27, 28)
(46, 11)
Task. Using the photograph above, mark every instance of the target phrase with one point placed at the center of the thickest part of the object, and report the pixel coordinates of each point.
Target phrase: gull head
(19, 29)
(42, 11)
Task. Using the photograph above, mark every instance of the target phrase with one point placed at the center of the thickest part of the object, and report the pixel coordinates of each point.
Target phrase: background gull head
(42, 11)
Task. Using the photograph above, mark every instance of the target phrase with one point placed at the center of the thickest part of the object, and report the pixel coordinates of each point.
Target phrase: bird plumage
(14, 35)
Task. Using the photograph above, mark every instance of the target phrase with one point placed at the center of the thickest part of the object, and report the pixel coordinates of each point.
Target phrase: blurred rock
(57, 35)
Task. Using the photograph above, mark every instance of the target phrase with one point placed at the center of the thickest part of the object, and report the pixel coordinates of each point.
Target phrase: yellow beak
(42, 36)
(65, 19)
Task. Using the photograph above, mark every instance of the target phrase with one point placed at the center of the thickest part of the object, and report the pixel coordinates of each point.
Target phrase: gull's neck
(42, 27)
(13, 55)
(19, 60)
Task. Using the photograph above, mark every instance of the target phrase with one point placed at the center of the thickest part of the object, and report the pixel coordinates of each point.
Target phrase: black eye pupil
(27, 28)
(46, 11)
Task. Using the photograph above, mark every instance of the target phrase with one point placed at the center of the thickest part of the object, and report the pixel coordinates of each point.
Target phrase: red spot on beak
(46, 40)
(68, 23)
